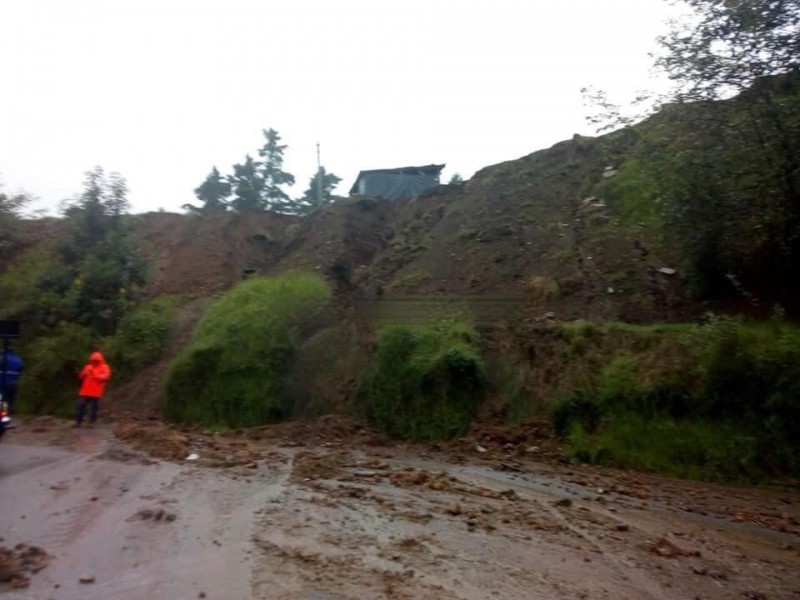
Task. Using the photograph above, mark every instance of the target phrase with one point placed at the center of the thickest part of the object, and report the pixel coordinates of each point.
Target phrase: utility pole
(319, 179)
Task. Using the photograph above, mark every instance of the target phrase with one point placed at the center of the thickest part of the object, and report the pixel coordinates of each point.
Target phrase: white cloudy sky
(161, 90)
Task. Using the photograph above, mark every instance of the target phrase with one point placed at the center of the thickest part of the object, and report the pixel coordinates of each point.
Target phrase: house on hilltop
(392, 184)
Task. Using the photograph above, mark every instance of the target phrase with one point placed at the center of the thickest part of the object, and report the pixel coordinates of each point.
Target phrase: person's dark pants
(93, 407)
(9, 395)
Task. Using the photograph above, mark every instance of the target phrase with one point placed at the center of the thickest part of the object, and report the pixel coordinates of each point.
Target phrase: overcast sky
(162, 90)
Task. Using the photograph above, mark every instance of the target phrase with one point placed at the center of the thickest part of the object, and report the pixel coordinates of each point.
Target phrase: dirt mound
(17, 564)
(668, 549)
(201, 447)
(329, 430)
(531, 440)
(153, 514)
(309, 466)
(157, 440)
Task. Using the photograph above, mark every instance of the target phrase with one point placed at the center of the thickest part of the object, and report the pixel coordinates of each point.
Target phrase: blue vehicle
(11, 367)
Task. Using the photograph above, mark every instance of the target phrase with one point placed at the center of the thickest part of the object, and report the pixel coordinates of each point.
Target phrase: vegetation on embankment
(234, 372)
(72, 292)
(50, 383)
(715, 186)
(142, 336)
(718, 400)
(424, 383)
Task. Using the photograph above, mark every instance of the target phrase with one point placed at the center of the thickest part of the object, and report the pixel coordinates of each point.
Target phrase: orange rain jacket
(94, 376)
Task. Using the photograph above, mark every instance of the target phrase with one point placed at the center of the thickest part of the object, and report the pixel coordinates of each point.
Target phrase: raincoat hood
(96, 357)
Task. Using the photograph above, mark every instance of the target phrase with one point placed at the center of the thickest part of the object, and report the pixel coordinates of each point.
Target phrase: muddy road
(329, 517)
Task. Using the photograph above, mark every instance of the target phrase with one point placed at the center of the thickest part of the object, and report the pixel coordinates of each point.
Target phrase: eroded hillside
(526, 231)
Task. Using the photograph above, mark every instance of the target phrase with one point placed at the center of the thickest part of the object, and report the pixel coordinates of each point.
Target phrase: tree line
(257, 184)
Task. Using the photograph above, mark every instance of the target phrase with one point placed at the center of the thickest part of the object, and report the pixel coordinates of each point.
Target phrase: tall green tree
(272, 173)
(213, 193)
(247, 185)
(254, 184)
(319, 192)
(116, 200)
(10, 214)
(743, 157)
(99, 269)
(729, 44)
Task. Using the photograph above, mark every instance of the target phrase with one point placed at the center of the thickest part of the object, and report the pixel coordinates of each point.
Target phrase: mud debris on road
(19, 563)
(336, 514)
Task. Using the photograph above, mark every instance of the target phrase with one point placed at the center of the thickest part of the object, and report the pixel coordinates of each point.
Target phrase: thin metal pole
(319, 179)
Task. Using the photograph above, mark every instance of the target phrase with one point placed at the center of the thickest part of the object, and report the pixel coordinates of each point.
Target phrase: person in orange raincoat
(94, 376)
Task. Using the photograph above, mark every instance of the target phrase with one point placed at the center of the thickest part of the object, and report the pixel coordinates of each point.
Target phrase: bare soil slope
(520, 230)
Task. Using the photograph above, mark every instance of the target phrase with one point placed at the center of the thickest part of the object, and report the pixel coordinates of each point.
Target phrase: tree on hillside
(730, 45)
(258, 184)
(100, 269)
(10, 212)
(90, 208)
(247, 186)
(117, 203)
(213, 193)
(456, 179)
(726, 173)
(272, 173)
(322, 182)
(748, 168)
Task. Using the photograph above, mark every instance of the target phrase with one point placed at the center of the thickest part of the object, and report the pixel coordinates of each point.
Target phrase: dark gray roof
(423, 170)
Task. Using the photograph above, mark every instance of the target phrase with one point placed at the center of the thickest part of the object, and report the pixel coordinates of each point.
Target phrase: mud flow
(327, 511)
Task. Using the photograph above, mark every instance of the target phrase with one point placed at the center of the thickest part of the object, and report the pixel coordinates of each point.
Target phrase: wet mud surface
(326, 511)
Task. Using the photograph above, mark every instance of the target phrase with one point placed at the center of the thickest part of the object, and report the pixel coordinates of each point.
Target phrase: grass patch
(694, 449)
(633, 197)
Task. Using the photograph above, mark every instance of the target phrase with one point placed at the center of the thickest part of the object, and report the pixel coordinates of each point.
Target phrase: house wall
(396, 185)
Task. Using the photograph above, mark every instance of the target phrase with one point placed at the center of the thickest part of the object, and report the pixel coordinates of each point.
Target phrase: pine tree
(272, 174)
(213, 193)
(310, 200)
(247, 185)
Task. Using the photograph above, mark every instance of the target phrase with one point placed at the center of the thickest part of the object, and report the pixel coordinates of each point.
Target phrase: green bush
(578, 407)
(142, 337)
(424, 384)
(234, 371)
(752, 375)
(735, 413)
(49, 383)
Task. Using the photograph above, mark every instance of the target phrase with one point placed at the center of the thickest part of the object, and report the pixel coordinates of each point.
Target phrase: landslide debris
(17, 564)
(156, 439)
